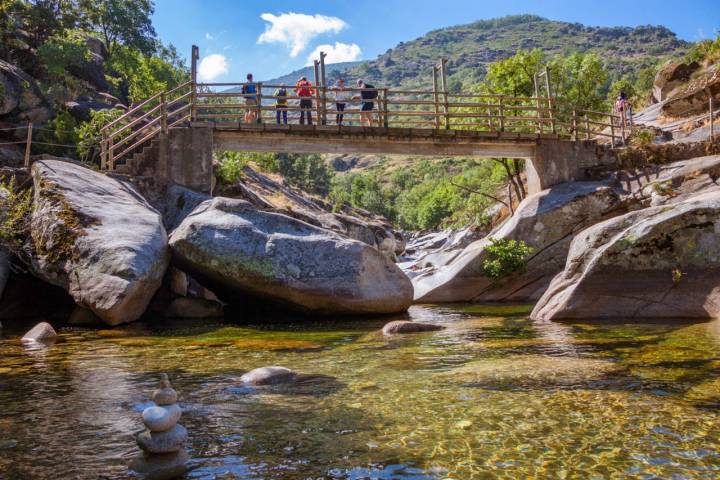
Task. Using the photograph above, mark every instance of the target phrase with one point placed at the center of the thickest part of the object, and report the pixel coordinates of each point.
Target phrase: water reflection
(491, 396)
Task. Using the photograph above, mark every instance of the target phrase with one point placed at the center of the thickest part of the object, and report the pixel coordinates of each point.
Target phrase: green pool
(491, 396)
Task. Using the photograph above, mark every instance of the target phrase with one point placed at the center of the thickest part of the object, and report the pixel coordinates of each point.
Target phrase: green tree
(125, 22)
(514, 76)
(580, 81)
(144, 75)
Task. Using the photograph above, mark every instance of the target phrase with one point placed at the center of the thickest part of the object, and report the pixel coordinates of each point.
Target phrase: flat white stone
(160, 419)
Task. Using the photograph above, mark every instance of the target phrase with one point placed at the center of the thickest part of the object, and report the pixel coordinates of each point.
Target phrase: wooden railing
(437, 109)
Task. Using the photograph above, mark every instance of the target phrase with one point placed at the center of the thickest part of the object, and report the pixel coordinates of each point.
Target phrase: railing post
(612, 129)
(111, 160)
(502, 113)
(28, 144)
(259, 102)
(550, 99)
(103, 151)
(386, 122)
(318, 106)
(537, 104)
(194, 56)
(163, 114)
(324, 85)
(712, 120)
(443, 77)
(587, 127)
(622, 127)
(436, 98)
(575, 125)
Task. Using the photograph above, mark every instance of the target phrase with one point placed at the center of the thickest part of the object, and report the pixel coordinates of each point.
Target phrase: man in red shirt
(305, 91)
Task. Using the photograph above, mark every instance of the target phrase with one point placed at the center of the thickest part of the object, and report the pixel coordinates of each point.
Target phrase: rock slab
(42, 332)
(659, 262)
(97, 238)
(268, 376)
(546, 221)
(405, 326)
(239, 251)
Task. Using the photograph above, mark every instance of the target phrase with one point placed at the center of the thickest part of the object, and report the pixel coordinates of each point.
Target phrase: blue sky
(274, 37)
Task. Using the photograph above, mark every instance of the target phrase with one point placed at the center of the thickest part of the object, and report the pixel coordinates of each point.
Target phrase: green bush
(15, 210)
(505, 257)
(230, 167)
(63, 50)
(88, 133)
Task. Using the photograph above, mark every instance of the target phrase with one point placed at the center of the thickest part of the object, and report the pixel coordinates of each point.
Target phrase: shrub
(88, 133)
(642, 137)
(15, 210)
(505, 257)
(230, 167)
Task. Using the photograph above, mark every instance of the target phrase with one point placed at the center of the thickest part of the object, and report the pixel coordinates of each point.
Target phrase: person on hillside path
(342, 94)
(281, 104)
(249, 90)
(305, 91)
(367, 94)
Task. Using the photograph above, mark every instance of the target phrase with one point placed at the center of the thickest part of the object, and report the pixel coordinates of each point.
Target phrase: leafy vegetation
(704, 51)
(505, 257)
(15, 210)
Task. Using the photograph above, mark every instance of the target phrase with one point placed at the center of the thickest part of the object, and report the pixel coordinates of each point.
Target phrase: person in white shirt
(341, 96)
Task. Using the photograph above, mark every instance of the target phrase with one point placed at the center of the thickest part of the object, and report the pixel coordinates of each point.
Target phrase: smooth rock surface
(405, 326)
(97, 238)
(268, 376)
(163, 442)
(42, 332)
(547, 222)
(160, 419)
(241, 252)
(164, 396)
(165, 466)
(659, 262)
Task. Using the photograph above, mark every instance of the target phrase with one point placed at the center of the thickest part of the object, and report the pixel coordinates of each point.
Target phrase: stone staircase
(143, 162)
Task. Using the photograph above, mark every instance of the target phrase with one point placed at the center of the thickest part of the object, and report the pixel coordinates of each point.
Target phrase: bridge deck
(372, 140)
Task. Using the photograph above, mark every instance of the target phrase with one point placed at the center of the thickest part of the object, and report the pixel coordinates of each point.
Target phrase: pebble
(163, 442)
(164, 396)
(160, 419)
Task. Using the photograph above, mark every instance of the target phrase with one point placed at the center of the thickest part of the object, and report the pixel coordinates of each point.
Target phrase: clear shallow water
(489, 397)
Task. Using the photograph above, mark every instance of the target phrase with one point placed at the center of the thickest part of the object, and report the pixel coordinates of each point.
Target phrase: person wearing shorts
(368, 94)
(250, 100)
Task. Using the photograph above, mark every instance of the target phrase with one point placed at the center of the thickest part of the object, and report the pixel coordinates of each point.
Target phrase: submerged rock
(405, 326)
(166, 466)
(240, 251)
(166, 441)
(547, 222)
(97, 238)
(268, 376)
(42, 332)
(659, 262)
(194, 308)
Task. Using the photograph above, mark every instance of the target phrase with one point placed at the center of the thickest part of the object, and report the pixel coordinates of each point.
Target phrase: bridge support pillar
(560, 161)
(189, 157)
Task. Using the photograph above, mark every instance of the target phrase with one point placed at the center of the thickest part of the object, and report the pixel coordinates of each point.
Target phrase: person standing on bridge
(249, 91)
(305, 91)
(342, 94)
(368, 93)
(281, 104)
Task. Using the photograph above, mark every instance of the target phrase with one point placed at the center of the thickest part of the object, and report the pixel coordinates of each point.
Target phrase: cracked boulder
(546, 221)
(659, 262)
(241, 252)
(97, 238)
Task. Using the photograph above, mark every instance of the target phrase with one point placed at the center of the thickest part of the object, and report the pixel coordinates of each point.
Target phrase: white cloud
(296, 30)
(209, 37)
(340, 52)
(212, 67)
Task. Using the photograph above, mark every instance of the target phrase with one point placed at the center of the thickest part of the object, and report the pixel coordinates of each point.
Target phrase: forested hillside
(471, 48)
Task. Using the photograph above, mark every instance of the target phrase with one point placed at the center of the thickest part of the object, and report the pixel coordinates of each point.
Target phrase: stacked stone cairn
(164, 455)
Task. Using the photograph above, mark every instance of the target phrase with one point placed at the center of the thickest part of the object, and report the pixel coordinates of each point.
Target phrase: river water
(491, 396)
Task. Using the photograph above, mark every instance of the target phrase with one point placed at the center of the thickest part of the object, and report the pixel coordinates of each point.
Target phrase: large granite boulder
(671, 76)
(659, 262)
(546, 221)
(238, 250)
(97, 238)
(20, 96)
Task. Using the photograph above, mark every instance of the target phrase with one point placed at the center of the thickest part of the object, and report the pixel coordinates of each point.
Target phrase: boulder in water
(659, 262)
(239, 251)
(268, 376)
(43, 332)
(405, 326)
(97, 238)
(164, 466)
